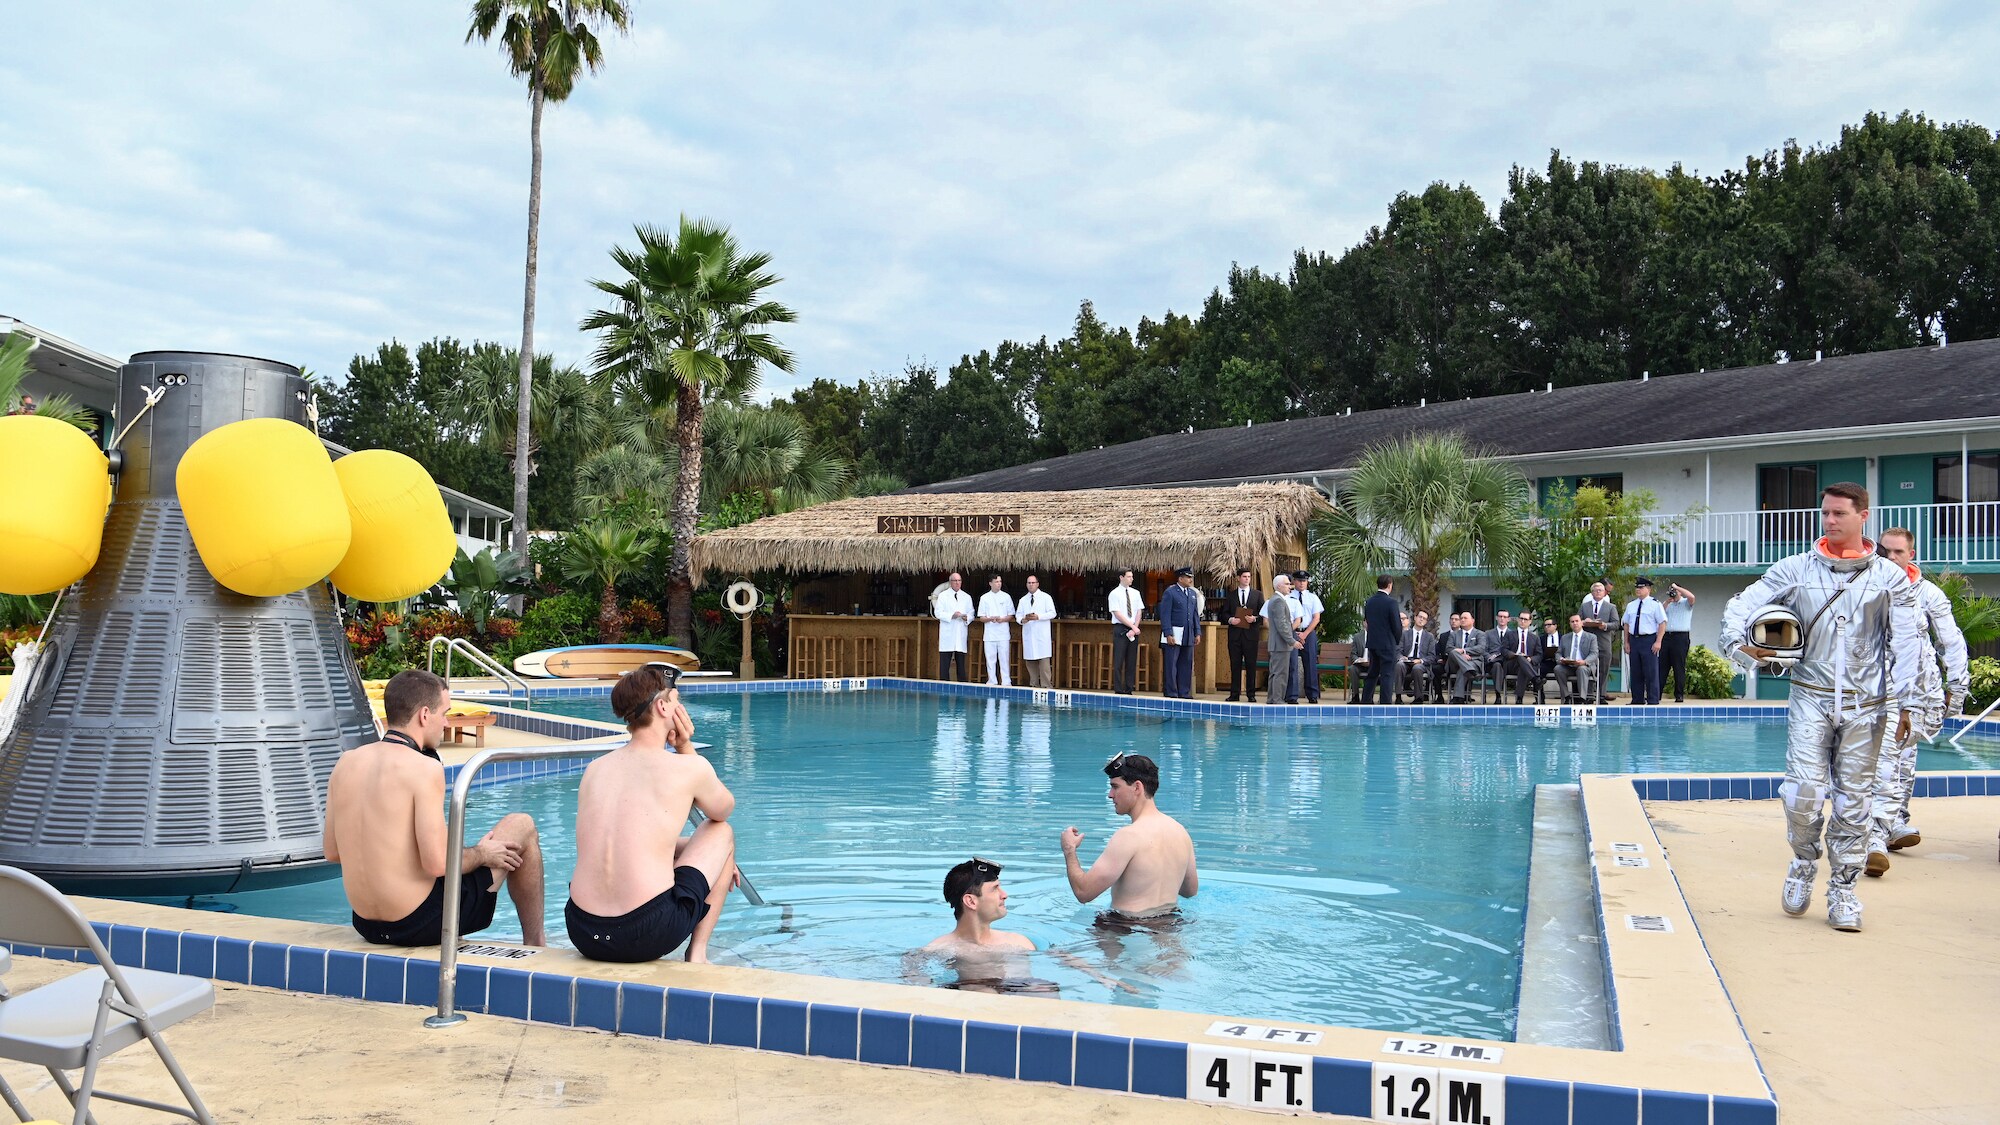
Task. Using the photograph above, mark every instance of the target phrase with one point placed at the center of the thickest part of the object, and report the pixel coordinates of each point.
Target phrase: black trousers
(945, 662)
(1244, 648)
(1645, 667)
(1124, 661)
(1382, 667)
(1674, 660)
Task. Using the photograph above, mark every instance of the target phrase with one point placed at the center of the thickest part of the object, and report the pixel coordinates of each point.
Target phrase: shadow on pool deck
(1921, 980)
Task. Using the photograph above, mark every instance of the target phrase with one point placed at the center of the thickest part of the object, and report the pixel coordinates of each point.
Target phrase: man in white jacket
(953, 609)
(1854, 683)
(1943, 694)
(997, 610)
(1037, 635)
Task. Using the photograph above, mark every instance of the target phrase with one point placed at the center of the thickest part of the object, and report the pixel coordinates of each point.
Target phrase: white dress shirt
(996, 603)
(1037, 636)
(951, 632)
(1126, 600)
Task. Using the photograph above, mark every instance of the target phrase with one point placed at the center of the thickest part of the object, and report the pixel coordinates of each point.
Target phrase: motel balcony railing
(1949, 536)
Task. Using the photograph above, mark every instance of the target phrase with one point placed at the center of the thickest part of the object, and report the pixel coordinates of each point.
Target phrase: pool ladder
(454, 863)
(459, 646)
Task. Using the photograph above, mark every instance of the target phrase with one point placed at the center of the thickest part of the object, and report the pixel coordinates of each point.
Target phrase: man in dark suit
(1519, 652)
(1418, 650)
(1243, 607)
(1465, 649)
(1382, 616)
(1180, 631)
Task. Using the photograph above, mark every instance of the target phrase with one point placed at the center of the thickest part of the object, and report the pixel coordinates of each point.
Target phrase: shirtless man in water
(385, 827)
(640, 887)
(987, 960)
(1148, 866)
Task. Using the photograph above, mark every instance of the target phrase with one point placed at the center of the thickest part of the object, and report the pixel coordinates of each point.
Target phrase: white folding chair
(76, 1022)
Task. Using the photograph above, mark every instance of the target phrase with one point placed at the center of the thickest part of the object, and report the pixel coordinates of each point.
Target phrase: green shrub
(1985, 683)
(1709, 673)
(557, 622)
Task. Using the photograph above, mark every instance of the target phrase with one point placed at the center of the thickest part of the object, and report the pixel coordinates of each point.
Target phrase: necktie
(1523, 650)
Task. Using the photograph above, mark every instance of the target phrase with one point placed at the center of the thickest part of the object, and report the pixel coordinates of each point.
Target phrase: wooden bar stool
(1148, 678)
(1100, 677)
(899, 656)
(864, 656)
(805, 658)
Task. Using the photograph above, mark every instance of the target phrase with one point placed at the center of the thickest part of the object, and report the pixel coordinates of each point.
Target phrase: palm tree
(684, 329)
(484, 398)
(14, 369)
(1420, 503)
(605, 553)
(548, 42)
(766, 451)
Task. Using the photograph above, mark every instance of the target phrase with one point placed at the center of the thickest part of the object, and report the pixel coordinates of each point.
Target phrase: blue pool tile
(1603, 1105)
(937, 1044)
(470, 993)
(306, 971)
(420, 983)
(103, 932)
(991, 1048)
(734, 1021)
(267, 964)
(346, 973)
(597, 1004)
(836, 1031)
(128, 946)
(1698, 788)
(1159, 1068)
(1341, 1086)
(549, 998)
(1923, 787)
(507, 993)
(1103, 1062)
(1744, 1111)
(1671, 1107)
(1762, 788)
(1046, 1055)
(1677, 789)
(1955, 785)
(1975, 786)
(885, 1038)
(1739, 788)
(784, 1027)
(232, 960)
(198, 955)
(381, 978)
(163, 950)
(642, 1010)
(1538, 1100)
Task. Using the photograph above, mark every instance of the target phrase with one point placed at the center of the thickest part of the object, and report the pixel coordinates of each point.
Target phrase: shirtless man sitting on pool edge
(1148, 865)
(640, 887)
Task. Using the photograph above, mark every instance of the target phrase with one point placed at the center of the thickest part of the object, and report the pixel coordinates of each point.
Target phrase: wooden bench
(455, 727)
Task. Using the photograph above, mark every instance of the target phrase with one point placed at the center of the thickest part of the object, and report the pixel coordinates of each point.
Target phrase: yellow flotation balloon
(58, 487)
(403, 541)
(264, 506)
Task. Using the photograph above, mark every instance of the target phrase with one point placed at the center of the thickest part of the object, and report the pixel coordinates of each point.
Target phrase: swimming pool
(1370, 876)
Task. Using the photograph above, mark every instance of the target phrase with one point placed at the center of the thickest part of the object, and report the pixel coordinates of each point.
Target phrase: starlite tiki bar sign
(948, 525)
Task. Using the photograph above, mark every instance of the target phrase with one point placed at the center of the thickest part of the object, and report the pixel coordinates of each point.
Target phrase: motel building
(90, 378)
(1734, 458)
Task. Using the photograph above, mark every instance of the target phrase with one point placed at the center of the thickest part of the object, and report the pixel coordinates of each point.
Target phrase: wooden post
(748, 669)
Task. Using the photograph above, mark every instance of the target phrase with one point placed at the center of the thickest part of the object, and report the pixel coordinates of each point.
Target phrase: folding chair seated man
(75, 1022)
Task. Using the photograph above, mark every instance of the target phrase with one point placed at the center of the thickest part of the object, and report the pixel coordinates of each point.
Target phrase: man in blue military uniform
(1180, 632)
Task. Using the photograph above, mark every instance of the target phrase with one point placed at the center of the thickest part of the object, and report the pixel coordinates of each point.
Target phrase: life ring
(741, 599)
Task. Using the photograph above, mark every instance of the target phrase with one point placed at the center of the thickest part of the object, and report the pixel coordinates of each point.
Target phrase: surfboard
(600, 662)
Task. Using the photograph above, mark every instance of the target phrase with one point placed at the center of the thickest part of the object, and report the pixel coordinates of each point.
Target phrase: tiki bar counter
(865, 570)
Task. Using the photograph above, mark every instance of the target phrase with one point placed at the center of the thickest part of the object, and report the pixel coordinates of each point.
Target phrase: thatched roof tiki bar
(867, 568)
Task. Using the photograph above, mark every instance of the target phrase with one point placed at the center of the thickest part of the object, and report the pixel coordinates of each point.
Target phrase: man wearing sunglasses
(1148, 865)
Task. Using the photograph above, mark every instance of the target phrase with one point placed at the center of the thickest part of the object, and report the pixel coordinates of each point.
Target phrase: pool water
(1364, 876)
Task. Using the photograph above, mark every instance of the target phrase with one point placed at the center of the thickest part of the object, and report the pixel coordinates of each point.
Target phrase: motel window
(1981, 477)
(1613, 483)
(1783, 488)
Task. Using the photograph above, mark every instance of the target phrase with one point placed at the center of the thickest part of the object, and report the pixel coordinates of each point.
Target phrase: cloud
(930, 179)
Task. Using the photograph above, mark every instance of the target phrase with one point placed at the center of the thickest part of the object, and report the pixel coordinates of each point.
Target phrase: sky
(303, 182)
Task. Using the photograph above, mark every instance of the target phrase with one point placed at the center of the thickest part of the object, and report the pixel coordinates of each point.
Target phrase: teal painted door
(1908, 490)
(1853, 469)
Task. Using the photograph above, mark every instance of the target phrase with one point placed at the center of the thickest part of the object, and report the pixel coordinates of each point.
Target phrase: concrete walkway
(1919, 986)
(274, 1058)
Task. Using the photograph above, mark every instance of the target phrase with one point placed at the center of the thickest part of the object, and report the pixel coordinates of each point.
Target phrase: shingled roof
(1912, 385)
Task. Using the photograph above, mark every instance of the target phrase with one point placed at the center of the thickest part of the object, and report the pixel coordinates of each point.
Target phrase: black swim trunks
(477, 896)
(650, 931)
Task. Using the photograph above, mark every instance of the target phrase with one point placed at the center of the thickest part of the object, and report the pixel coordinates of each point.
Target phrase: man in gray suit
(1600, 618)
(1576, 662)
(1280, 641)
(1465, 651)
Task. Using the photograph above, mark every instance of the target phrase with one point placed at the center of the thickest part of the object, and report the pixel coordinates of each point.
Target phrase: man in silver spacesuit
(1854, 679)
(1943, 694)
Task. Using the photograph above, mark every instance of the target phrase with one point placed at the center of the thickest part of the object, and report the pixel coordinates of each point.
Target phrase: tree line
(1585, 273)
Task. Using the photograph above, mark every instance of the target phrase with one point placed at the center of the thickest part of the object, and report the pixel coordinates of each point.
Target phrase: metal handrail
(1980, 718)
(479, 660)
(454, 863)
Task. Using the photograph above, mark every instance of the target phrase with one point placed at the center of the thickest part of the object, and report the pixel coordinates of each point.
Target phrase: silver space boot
(1905, 836)
(1799, 886)
(1843, 910)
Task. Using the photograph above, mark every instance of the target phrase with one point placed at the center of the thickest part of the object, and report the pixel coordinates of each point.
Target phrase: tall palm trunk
(523, 403)
(1424, 585)
(610, 623)
(687, 500)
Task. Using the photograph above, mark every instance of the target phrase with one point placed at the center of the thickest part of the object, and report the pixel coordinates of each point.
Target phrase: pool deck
(1923, 976)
